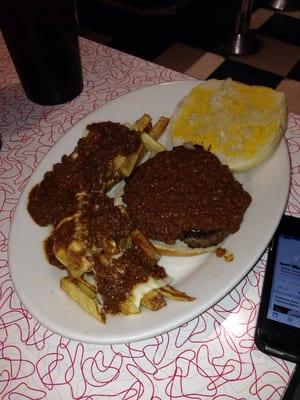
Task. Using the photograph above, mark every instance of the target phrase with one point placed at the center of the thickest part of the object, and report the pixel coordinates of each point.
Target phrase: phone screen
(284, 305)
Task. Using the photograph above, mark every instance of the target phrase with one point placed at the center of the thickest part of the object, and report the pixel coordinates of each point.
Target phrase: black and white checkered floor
(191, 46)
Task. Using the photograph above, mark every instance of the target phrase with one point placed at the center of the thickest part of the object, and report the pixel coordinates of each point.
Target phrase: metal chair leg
(242, 40)
(281, 5)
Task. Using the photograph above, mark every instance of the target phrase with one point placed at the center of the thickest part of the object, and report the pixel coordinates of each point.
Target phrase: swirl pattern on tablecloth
(211, 357)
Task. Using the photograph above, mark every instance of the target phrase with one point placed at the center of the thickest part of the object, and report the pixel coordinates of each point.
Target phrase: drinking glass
(42, 38)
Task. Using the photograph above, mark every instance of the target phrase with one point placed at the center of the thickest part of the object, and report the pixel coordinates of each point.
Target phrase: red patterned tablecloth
(211, 357)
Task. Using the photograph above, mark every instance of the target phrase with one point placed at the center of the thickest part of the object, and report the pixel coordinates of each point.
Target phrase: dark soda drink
(42, 38)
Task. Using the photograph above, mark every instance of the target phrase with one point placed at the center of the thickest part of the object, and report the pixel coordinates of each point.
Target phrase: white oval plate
(206, 277)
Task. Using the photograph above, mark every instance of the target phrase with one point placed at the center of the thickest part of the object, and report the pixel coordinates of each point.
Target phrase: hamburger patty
(185, 194)
(198, 238)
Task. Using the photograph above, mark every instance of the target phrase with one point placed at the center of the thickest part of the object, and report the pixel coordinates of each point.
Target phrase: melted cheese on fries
(112, 267)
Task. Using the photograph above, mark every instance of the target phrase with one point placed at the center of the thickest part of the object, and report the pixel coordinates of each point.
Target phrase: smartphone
(292, 392)
(278, 325)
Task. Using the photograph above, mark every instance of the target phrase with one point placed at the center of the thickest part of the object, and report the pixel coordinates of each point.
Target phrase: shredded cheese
(233, 121)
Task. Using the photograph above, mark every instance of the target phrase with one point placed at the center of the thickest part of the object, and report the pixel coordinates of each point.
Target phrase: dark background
(142, 24)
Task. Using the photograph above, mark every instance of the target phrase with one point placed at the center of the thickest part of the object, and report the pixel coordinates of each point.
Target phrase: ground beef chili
(72, 198)
(186, 190)
(102, 222)
(48, 247)
(86, 168)
(98, 223)
(116, 280)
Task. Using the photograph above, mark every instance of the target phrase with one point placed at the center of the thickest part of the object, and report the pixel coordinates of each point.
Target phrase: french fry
(128, 307)
(130, 162)
(153, 300)
(82, 293)
(118, 161)
(125, 165)
(171, 293)
(159, 127)
(70, 254)
(143, 124)
(150, 140)
(89, 289)
(140, 240)
(151, 144)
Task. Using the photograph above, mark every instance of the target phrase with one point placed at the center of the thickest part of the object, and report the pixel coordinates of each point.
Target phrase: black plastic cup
(42, 38)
